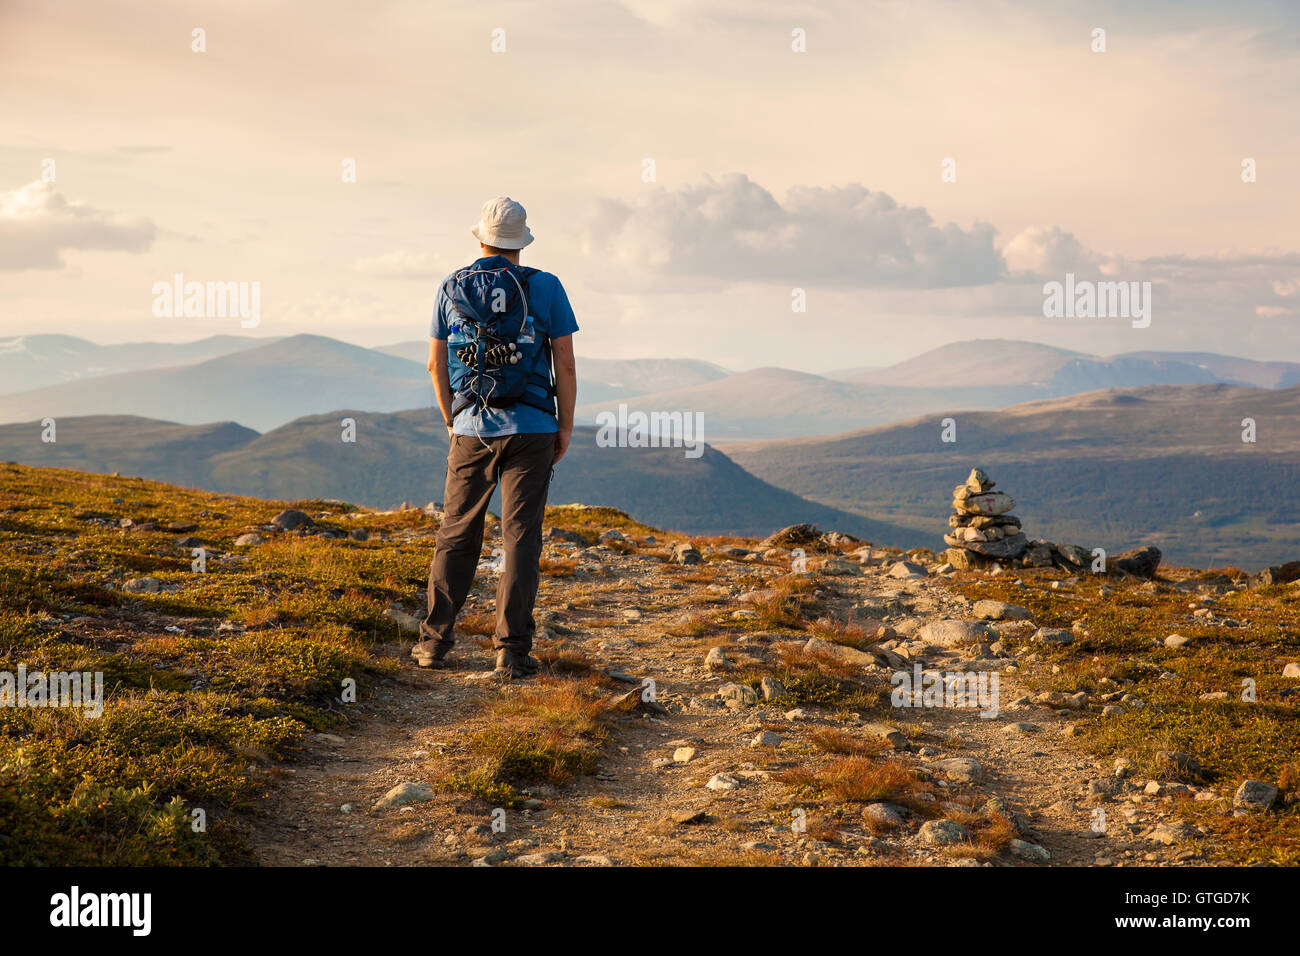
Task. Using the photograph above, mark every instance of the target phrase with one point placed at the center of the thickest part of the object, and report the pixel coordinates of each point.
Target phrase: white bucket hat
(503, 224)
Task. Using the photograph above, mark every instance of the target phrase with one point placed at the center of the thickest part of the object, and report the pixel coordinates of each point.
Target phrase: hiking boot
(513, 666)
(431, 654)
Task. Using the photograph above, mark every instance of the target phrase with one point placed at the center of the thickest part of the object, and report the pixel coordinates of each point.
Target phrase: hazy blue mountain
(1058, 372)
(36, 361)
(259, 387)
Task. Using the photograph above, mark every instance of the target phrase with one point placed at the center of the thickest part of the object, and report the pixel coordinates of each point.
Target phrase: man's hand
(561, 443)
(451, 436)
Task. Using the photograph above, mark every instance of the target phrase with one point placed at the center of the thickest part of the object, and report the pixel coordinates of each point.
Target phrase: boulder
(1140, 562)
(737, 695)
(723, 781)
(959, 769)
(1053, 635)
(1281, 573)
(686, 553)
(794, 536)
(943, 832)
(1038, 555)
(292, 519)
(884, 816)
(716, 660)
(953, 633)
(987, 610)
(405, 793)
(1075, 555)
(1030, 852)
(1255, 795)
(907, 569)
(850, 655)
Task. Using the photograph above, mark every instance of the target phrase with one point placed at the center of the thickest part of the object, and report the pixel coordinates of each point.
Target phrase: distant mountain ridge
(38, 361)
(1164, 465)
(259, 387)
(1008, 362)
(402, 457)
(265, 383)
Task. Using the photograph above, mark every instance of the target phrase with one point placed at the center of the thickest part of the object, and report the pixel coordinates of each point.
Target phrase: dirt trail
(631, 811)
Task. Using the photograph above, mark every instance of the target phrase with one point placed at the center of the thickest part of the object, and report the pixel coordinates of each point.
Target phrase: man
(511, 442)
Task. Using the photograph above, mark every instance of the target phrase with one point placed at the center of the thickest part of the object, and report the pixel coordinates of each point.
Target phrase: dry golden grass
(838, 632)
(550, 730)
(834, 741)
(563, 658)
(479, 622)
(857, 780)
(558, 567)
(795, 658)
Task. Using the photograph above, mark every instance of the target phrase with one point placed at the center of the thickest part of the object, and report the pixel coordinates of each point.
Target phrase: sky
(916, 170)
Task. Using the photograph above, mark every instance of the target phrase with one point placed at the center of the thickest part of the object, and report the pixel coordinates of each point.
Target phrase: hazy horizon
(614, 358)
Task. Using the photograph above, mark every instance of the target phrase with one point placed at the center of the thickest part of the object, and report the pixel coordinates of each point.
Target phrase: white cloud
(1048, 251)
(734, 229)
(37, 225)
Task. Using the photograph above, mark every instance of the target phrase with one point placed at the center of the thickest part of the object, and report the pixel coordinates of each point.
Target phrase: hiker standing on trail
(498, 330)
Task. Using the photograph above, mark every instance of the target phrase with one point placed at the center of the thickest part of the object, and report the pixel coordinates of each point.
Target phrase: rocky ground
(719, 701)
(710, 772)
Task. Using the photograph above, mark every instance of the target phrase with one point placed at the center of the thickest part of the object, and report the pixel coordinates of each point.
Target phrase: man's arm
(566, 390)
(441, 380)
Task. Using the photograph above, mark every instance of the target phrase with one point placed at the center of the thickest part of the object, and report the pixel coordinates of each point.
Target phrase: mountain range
(266, 383)
(402, 457)
(1163, 465)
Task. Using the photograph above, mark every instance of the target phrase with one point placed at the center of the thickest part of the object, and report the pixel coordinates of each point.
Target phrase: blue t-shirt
(553, 317)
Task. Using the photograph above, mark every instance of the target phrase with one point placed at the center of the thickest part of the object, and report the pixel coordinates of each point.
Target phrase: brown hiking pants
(521, 464)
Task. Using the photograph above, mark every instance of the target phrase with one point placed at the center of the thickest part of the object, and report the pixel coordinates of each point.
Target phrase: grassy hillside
(219, 678)
(198, 716)
(1163, 465)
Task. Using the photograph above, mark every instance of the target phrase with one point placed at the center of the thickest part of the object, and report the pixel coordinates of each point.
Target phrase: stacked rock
(983, 528)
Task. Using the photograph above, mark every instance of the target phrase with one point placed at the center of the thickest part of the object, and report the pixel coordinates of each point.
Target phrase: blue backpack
(494, 349)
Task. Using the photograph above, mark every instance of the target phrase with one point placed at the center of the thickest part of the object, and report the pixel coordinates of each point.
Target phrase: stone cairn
(983, 532)
(983, 528)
